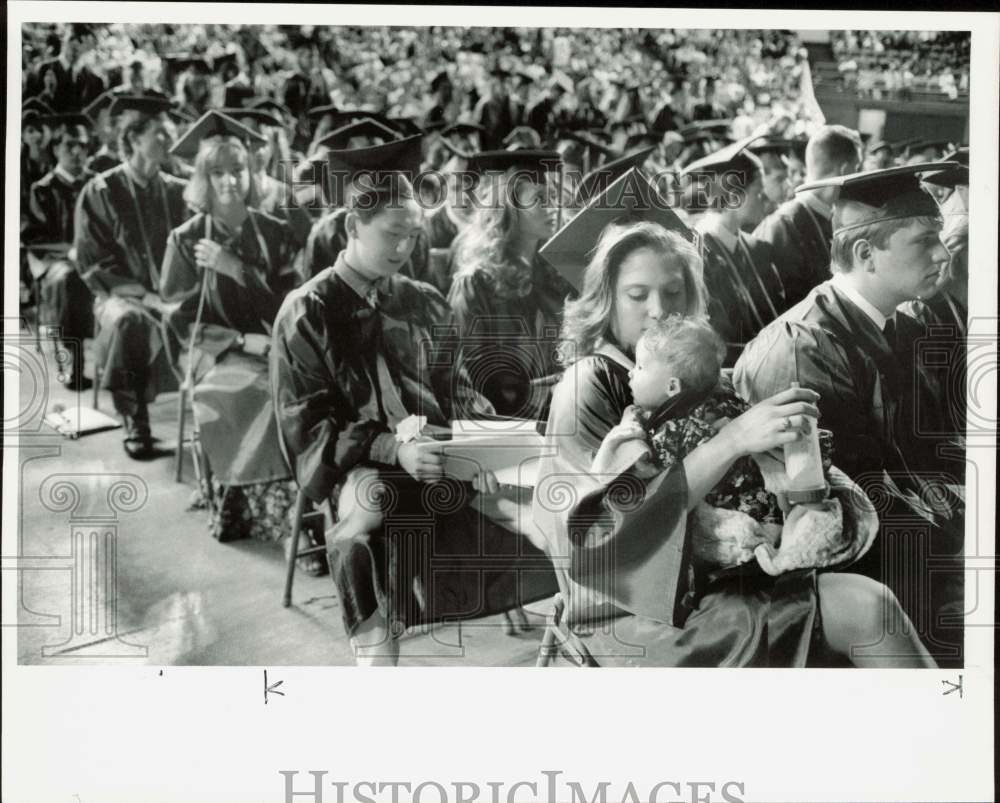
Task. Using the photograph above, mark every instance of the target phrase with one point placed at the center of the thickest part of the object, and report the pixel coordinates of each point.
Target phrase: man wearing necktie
(357, 350)
(889, 411)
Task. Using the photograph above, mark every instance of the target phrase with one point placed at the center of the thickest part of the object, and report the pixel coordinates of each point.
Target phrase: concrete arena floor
(182, 596)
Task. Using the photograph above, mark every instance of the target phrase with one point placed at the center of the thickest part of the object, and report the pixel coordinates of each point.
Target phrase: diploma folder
(73, 422)
(510, 449)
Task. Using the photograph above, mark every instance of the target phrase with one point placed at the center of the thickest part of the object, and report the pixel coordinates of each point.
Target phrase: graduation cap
(531, 162)
(629, 199)
(462, 130)
(960, 155)
(144, 104)
(38, 106)
(648, 139)
(628, 122)
(951, 177)
(875, 196)
(213, 124)
(775, 145)
(66, 121)
(597, 181)
(342, 166)
(731, 158)
(716, 129)
(221, 63)
(439, 80)
(258, 116)
(271, 105)
(182, 63)
(588, 141)
(522, 133)
(101, 102)
(367, 127)
(876, 145)
(405, 126)
(319, 112)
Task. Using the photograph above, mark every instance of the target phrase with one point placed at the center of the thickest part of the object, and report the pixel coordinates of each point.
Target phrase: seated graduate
(744, 288)
(268, 158)
(230, 267)
(622, 546)
(122, 220)
(507, 300)
(799, 231)
(355, 353)
(65, 302)
(949, 305)
(329, 234)
(889, 410)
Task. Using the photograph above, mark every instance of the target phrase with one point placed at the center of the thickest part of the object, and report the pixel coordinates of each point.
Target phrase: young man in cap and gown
(65, 300)
(744, 288)
(329, 234)
(122, 220)
(799, 231)
(888, 410)
(355, 353)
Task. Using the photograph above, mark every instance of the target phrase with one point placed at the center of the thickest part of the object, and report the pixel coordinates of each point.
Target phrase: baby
(681, 401)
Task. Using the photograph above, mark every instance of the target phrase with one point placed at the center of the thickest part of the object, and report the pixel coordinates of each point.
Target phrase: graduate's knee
(855, 608)
(362, 501)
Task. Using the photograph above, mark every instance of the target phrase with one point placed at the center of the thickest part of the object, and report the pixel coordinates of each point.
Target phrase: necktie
(890, 333)
(389, 396)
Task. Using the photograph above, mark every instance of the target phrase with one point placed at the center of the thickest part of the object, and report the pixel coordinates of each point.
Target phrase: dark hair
(370, 193)
(131, 123)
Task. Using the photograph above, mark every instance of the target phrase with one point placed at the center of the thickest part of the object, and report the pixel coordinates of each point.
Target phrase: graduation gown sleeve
(617, 543)
(325, 433)
(103, 263)
(851, 401)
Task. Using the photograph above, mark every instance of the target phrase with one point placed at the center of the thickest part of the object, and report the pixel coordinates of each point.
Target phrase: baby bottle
(804, 466)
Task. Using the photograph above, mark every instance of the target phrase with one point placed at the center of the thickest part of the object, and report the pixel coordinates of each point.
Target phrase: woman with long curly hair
(507, 300)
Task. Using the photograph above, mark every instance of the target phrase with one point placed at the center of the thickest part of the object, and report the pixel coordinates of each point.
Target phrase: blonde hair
(587, 320)
(489, 233)
(211, 150)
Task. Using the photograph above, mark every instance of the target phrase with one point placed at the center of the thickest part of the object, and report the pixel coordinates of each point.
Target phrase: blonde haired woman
(230, 266)
(622, 545)
(507, 300)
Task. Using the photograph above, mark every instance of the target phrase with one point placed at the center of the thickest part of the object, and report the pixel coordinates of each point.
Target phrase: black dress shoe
(78, 384)
(138, 440)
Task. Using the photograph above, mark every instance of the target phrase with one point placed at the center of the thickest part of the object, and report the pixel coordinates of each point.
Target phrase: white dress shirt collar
(842, 283)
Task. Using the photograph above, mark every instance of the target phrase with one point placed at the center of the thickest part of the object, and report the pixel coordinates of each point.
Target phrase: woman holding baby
(619, 534)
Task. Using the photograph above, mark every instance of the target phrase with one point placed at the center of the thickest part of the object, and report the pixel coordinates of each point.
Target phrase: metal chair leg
(181, 420)
(293, 553)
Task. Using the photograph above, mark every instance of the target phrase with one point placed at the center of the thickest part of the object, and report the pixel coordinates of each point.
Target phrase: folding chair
(300, 517)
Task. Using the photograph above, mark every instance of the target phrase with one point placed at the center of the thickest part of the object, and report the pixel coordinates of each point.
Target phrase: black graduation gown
(667, 119)
(800, 238)
(66, 301)
(624, 561)
(494, 115)
(744, 289)
(329, 237)
(231, 397)
(120, 235)
(506, 342)
(888, 412)
(72, 93)
(432, 556)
